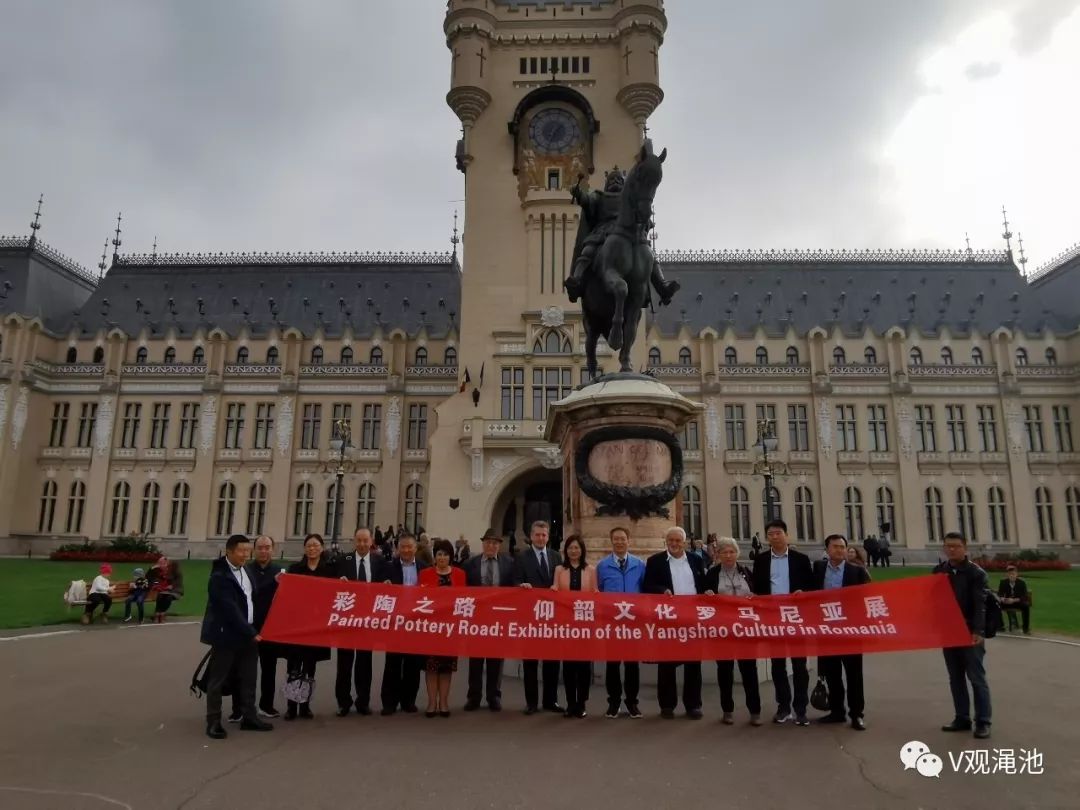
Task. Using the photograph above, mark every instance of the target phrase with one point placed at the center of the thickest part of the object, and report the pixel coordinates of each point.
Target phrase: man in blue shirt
(621, 572)
(783, 570)
(836, 572)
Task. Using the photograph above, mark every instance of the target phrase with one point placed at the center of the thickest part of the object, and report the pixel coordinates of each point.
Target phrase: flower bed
(104, 555)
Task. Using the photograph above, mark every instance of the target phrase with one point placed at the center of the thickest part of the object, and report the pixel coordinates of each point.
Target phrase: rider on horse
(599, 211)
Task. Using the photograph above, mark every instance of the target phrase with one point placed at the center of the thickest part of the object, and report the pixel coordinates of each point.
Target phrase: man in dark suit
(401, 672)
(830, 573)
(489, 569)
(229, 630)
(676, 573)
(534, 567)
(355, 665)
(783, 570)
(264, 573)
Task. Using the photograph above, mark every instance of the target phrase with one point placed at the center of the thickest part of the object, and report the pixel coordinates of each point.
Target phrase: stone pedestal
(622, 465)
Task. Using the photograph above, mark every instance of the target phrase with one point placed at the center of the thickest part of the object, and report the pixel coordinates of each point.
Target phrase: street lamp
(339, 443)
(768, 443)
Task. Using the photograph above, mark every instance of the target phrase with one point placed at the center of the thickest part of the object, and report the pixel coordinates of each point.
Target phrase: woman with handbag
(301, 660)
(728, 578)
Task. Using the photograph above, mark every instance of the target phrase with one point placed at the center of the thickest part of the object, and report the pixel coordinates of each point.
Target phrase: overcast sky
(321, 125)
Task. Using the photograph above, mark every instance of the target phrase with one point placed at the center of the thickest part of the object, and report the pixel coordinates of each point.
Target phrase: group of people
(163, 584)
(240, 594)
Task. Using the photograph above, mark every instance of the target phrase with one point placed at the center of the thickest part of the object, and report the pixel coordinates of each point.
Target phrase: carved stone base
(622, 461)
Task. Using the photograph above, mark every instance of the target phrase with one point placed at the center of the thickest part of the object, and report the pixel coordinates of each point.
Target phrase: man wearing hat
(489, 569)
(100, 594)
(140, 585)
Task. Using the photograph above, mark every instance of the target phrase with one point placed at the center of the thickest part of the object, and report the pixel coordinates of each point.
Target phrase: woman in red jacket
(440, 668)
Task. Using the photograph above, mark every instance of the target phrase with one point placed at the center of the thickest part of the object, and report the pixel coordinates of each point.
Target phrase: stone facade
(190, 397)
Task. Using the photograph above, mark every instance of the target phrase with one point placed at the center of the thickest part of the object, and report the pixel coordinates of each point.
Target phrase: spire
(153, 254)
(455, 240)
(1023, 258)
(1006, 234)
(101, 264)
(36, 224)
(967, 240)
(116, 240)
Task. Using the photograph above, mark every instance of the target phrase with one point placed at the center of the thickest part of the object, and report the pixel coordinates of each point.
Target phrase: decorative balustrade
(753, 370)
(945, 370)
(336, 370)
(163, 370)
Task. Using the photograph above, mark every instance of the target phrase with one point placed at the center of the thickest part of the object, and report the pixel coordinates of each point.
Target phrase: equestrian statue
(613, 262)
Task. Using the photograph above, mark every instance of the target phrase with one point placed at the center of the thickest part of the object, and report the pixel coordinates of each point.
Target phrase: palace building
(187, 397)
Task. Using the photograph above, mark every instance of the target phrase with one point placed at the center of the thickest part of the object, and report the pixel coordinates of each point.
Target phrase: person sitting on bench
(100, 594)
(1015, 596)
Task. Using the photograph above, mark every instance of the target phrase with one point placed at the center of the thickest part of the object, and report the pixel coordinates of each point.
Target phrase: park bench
(119, 593)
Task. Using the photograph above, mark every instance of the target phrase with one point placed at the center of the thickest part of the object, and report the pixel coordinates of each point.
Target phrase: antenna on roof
(1023, 258)
(102, 264)
(1006, 234)
(116, 240)
(36, 224)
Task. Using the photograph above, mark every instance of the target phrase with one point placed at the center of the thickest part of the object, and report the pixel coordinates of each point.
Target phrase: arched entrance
(535, 494)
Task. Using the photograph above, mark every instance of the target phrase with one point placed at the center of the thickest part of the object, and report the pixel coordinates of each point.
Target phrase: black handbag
(200, 680)
(819, 698)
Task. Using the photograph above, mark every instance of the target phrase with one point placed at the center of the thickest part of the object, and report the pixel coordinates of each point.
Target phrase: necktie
(361, 573)
(622, 565)
(489, 571)
(543, 565)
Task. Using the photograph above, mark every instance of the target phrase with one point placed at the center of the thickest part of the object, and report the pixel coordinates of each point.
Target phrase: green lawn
(1056, 596)
(31, 592)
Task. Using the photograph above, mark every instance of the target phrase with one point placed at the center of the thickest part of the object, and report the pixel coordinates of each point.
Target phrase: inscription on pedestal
(630, 462)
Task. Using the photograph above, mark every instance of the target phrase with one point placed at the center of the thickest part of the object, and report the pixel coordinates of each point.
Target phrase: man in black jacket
(830, 573)
(534, 567)
(489, 569)
(969, 583)
(354, 666)
(264, 572)
(783, 570)
(676, 573)
(229, 630)
(1015, 596)
(401, 671)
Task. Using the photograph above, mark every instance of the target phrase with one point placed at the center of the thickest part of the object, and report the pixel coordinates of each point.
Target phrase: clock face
(554, 131)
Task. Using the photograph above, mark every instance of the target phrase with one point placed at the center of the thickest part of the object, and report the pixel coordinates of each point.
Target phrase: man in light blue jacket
(621, 572)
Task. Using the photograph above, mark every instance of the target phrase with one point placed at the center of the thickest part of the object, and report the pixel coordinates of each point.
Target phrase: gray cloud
(284, 125)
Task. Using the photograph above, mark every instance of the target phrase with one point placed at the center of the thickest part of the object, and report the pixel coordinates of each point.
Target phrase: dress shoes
(472, 705)
(387, 712)
(495, 705)
(694, 714)
(831, 718)
(255, 724)
(530, 710)
(957, 725)
(858, 724)
(410, 709)
(215, 731)
(554, 708)
(343, 711)
(982, 731)
(363, 710)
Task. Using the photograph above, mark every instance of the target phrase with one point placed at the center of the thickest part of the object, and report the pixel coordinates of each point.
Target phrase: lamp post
(339, 443)
(768, 443)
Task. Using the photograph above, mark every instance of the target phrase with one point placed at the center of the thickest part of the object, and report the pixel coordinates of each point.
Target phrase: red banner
(907, 614)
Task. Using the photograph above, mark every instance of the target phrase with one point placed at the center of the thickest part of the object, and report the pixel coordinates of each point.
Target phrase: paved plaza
(102, 718)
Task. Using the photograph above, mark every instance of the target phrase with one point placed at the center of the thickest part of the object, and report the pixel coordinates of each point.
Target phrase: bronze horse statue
(618, 287)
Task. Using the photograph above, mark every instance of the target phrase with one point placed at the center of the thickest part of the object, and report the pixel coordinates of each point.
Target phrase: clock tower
(549, 94)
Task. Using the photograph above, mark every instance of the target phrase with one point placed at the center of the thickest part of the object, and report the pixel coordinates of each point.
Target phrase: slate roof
(921, 291)
(261, 291)
(40, 282)
(1058, 281)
